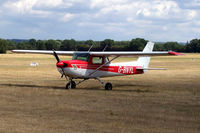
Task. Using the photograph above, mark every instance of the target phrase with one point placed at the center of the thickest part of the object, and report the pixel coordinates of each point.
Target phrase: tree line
(136, 44)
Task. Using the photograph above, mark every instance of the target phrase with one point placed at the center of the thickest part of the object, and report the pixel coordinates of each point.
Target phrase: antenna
(104, 50)
(91, 47)
(105, 47)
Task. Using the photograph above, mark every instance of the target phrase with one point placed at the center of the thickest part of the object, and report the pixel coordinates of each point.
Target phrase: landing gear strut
(107, 86)
(72, 84)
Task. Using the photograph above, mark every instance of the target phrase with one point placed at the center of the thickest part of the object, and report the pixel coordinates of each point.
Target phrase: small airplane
(95, 65)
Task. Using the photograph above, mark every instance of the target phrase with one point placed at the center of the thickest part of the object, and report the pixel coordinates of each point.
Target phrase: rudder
(145, 60)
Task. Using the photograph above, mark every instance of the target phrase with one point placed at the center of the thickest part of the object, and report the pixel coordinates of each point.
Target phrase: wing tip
(175, 53)
(14, 51)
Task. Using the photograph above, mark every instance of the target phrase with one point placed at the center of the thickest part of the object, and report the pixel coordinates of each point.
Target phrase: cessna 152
(96, 65)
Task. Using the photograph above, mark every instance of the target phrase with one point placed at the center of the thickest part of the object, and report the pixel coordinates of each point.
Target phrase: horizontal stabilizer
(151, 68)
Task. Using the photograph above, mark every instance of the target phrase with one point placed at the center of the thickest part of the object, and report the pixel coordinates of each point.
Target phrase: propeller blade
(56, 56)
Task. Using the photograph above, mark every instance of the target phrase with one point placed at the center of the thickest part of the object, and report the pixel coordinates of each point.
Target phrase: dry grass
(33, 99)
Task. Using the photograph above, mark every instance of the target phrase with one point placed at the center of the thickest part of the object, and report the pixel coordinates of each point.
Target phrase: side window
(97, 60)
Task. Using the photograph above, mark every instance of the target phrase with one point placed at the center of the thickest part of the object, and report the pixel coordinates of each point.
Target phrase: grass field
(33, 99)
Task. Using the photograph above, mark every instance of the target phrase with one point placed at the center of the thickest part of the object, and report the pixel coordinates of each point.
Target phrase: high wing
(135, 53)
(44, 52)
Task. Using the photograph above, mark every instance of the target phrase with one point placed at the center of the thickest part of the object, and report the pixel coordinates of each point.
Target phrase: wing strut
(103, 65)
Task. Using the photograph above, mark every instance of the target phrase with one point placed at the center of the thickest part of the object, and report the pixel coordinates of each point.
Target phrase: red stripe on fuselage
(127, 70)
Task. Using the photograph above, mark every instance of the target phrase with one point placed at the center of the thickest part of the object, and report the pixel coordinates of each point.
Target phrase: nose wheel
(71, 85)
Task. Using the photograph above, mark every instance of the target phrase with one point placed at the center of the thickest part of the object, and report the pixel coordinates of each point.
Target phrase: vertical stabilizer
(144, 60)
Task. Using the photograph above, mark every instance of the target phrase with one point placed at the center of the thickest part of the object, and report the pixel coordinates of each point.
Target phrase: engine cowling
(61, 64)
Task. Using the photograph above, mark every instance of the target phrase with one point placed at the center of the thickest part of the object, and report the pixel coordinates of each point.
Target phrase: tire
(108, 86)
(68, 86)
(71, 85)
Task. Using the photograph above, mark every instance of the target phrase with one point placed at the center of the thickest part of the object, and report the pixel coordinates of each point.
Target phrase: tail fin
(144, 60)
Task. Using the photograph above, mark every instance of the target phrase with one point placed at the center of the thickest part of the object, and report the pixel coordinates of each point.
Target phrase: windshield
(81, 56)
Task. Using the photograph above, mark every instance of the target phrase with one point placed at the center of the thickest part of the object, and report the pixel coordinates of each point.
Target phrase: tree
(40, 45)
(73, 44)
(106, 43)
(11, 45)
(158, 47)
(137, 44)
(193, 46)
(89, 42)
(3, 46)
(32, 43)
(171, 45)
(22, 45)
(51, 44)
(68, 45)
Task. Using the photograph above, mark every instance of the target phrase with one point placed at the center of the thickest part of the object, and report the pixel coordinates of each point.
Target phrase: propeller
(61, 64)
(56, 56)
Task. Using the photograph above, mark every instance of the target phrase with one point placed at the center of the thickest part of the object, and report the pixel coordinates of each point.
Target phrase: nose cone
(61, 64)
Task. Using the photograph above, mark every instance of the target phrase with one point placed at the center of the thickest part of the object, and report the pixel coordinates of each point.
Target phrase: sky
(154, 20)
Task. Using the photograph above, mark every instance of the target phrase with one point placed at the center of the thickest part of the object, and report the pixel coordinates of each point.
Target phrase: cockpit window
(97, 60)
(81, 56)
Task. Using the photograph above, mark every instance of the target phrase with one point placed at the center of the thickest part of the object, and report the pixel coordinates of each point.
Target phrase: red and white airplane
(96, 65)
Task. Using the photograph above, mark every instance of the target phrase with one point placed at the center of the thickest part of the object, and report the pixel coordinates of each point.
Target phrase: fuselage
(87, 66)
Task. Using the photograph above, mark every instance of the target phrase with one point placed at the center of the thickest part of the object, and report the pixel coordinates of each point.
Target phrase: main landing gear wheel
(108, 86)
(71, 85)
